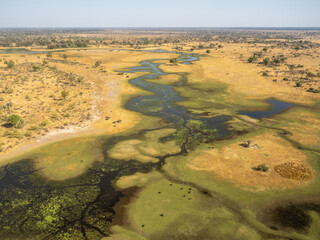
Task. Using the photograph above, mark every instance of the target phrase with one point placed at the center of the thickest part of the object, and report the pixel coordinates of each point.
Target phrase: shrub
(80, 79)
(64, 94)
(20, 124)
(98, 63)
(13, 120)
(313, 90)
(298, 84)
(261, 168)
(13, 134)
(10, 64)
(9, 90)
(208, 51)
(33, 128)
(253, 58)
(44, 123)
(174, 60)
(266, 61)
(28, 134)
(35, 68)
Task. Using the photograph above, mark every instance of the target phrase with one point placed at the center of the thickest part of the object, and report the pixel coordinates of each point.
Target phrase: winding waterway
(83, 207)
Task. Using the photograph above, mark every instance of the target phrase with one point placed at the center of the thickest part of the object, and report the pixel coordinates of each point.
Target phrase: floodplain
(160, 134)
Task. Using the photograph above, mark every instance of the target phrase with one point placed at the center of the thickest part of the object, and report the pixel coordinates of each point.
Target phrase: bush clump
(15, 121)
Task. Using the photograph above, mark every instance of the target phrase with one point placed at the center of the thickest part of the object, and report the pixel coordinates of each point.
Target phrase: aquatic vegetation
(73, 193)
(78, 207)
(191, 134)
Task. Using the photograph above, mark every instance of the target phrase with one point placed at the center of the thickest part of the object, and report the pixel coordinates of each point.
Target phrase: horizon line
(160, 27)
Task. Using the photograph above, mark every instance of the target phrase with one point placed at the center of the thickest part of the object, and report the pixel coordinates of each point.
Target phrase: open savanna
(262, 182)
(32, 89)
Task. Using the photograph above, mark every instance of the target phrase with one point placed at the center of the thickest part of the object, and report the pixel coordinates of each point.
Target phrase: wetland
(174, 151)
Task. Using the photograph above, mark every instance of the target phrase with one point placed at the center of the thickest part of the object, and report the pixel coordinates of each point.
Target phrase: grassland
(261, 183)
(93, 105)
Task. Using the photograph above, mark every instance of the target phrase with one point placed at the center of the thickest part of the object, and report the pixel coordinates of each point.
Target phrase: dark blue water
(276, 107)
(163, 103)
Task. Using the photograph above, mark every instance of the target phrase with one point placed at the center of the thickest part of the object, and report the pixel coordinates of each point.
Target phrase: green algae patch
(76, 208)
(160, 203)
(167, 210)
(120, 233)
(46, 207)
(213, 99)
(191, 134)
(145, 149)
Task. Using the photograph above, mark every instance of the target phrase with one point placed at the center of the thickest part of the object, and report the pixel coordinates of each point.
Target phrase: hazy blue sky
(160, 13)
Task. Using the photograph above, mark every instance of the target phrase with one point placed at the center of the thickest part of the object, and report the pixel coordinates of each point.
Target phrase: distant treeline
(78, 38)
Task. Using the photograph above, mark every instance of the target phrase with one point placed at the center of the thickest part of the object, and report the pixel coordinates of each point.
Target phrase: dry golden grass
(305, 127)
(246, 79)
(34, 89)
(101, 98)
(235, 163)
(105, 96)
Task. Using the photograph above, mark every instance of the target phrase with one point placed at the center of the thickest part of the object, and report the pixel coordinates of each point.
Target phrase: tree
(10, 64)
(253, 58)
(15, 120)
(266, 61)
(64, 94)
(174, 60)
(298, 84)
(208, 51)
(261, 168)
(98, 63)
(265, 49)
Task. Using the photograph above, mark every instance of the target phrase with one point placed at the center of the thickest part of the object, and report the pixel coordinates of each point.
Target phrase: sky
(160, 13)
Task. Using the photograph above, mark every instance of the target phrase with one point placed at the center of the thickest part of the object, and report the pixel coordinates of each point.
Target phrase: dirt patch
(294, 171)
